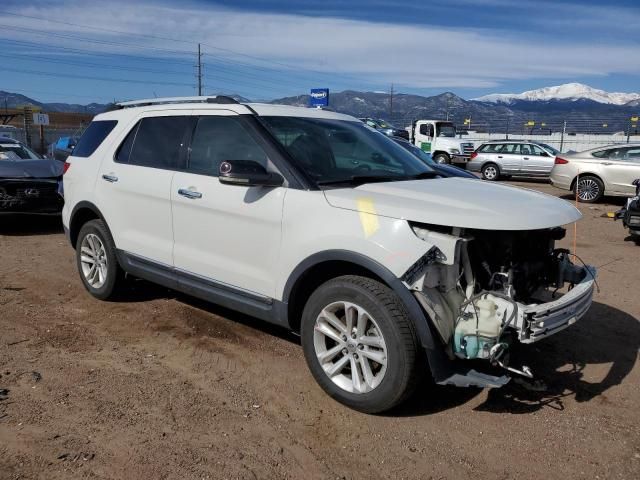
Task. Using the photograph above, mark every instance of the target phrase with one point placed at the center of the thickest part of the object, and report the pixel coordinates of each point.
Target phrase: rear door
(535, 160)
(621, 168)
(133, 187)
(228, 236)
(509, 159)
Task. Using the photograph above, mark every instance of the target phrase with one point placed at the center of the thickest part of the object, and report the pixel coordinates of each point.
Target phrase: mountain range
(583, 108)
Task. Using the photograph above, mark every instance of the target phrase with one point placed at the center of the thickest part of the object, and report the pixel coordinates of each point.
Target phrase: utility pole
(199, 75)
(391, 103)
(564, 130)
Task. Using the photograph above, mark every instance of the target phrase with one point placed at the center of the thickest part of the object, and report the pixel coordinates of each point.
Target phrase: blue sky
(75, 51)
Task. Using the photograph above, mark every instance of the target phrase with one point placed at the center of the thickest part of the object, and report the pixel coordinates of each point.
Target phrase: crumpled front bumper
(539, 321)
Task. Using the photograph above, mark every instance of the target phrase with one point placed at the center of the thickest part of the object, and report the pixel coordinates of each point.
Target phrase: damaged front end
(487, 289)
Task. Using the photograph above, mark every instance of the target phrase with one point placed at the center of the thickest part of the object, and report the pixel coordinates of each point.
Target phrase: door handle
(110, 178)
(605, 163)
(525, 158)
(189, 193)
(499, 156)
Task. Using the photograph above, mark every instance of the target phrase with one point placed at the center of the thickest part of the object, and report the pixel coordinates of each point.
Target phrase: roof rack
(219, 99)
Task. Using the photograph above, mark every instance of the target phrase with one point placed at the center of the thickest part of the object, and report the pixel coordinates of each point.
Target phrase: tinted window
(509, 148)
(538, 151)
(524, 149)
(217, 139)
(92, 137)
(156, 142)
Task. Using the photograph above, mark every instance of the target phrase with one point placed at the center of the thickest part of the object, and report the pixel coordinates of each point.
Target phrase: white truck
(439, 138)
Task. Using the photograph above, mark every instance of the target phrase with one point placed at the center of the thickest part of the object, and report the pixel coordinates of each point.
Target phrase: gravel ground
(164, 386)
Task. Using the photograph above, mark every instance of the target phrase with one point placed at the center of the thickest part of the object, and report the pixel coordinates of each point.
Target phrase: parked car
(386, 128)
(62, 148)
(442, 169)
(512, 157)
(28, 182)
(630, 213)
(313, 221)
(608, 170)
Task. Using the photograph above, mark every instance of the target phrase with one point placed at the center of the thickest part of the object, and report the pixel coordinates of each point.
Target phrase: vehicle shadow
(605, 342)
(22, 225)
(604, 201)
(138, 290)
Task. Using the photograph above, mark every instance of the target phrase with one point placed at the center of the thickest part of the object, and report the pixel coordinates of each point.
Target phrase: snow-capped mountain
(567, 92)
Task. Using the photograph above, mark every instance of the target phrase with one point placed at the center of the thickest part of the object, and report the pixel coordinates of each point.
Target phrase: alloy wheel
(588, 189)
(490, 172)
(93, 260)
(350, 347)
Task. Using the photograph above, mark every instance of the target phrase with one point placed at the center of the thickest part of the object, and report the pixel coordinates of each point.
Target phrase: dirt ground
(164, 386)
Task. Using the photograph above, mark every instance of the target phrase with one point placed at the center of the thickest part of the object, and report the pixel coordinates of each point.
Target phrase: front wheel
(359, 343)
(441, 158)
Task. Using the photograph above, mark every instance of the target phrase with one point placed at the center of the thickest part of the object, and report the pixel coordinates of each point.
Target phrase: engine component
(478, 329)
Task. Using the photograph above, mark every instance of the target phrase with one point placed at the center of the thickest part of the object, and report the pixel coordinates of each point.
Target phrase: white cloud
(410, 56)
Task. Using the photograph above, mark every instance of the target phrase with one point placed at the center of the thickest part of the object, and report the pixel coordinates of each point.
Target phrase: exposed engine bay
(485, 289)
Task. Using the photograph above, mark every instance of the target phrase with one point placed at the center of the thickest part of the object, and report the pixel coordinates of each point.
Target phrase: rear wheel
(490, 172)
(97, 262)
(359, 343)
(589, 188)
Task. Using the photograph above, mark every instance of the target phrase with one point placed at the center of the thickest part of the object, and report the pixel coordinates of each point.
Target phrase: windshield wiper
(362, 179)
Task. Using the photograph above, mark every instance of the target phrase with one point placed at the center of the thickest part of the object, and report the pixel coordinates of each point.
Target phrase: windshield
(550, 149)
(418, 153)
(334, 151)
(446, 130)
(16, 151)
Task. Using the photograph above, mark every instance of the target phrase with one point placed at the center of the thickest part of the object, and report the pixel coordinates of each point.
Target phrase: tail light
(561, 161)
(474, 155)
(65, 167)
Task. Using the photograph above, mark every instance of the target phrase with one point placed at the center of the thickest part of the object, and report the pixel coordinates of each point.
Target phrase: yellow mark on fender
(368, 216)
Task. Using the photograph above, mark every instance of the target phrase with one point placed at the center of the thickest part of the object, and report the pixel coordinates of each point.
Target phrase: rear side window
(92, 137)
(217, 139)
(491, 147)
(156, 142)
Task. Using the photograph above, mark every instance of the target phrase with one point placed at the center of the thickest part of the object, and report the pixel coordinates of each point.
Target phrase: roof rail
(220, 99)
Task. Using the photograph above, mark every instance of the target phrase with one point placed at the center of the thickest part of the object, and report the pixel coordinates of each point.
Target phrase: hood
(45, 168)
(458, 202)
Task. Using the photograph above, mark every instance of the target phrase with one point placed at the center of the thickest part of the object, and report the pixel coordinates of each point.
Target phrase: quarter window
(92, 137)
(156, 142)
(217, 139)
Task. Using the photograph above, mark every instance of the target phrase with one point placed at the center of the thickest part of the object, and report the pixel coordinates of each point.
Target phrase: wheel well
(82, 216)
(440, 152)
(315, 276)
(573, 182)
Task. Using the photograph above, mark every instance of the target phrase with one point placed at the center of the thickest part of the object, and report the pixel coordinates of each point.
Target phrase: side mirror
(248, 173)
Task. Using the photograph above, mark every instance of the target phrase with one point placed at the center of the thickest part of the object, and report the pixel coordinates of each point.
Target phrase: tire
(441, 158)
(589, 189)
(95, 247)
(491, 172)
(389, 335)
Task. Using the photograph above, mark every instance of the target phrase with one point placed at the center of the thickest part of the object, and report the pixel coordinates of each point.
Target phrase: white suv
(311, 220)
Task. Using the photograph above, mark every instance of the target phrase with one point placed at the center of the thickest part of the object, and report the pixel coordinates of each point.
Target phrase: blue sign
(319, 97)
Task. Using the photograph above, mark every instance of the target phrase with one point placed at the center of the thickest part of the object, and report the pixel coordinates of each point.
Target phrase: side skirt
(228, 296)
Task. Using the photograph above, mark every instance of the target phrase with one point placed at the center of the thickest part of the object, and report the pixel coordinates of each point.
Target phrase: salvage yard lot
(160, 385)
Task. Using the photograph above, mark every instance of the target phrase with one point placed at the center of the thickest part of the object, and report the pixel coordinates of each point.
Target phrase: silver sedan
(608, 170)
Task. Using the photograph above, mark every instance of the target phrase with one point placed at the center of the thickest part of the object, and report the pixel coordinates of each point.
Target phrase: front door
(535, 161)
(621, 169)
(226, 234)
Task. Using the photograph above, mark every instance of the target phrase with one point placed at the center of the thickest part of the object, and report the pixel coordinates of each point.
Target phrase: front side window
(156, 142)
(220, 138)
(509, 148)
(538, 151)
(446, 130)
(334, 151)
(92, 137)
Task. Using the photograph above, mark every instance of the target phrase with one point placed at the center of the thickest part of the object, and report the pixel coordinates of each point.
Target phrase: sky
(80, 52)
